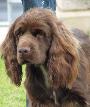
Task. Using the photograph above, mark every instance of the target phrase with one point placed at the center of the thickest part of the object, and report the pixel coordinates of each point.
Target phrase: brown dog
(57, 64)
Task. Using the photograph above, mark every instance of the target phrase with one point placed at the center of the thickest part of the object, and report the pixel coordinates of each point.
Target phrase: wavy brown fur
(9, 53)
(54, 58)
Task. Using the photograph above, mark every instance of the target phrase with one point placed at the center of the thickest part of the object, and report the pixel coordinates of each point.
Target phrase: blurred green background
(10, 95)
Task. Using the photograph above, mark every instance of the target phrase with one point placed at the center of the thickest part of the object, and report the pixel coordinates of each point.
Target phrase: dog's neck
(48, 82)
(45, 74)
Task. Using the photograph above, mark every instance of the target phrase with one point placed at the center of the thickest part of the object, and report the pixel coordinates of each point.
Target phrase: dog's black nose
(24, 50)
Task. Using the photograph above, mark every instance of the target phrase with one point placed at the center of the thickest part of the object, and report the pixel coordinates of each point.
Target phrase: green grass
(10, 95)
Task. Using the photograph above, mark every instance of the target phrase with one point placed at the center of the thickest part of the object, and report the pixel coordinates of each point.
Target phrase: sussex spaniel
(57, 64)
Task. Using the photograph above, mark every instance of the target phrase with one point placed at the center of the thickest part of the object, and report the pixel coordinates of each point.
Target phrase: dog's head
(38, 37)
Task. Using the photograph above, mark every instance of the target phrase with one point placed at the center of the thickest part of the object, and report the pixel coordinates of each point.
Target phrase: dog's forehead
(29, 19)
(36, 18)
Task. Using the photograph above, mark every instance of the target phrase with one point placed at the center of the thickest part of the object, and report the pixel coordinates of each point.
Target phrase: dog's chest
(39, 85)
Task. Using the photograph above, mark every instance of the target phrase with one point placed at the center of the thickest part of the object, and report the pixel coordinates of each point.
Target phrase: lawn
(10, 95)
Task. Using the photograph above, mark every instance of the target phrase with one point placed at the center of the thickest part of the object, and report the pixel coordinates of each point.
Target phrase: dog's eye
(37, 32)
(18, 32)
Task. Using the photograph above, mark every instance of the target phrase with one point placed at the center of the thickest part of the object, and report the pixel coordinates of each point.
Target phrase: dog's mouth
(22, 62)
(34, 59)
(25, 62)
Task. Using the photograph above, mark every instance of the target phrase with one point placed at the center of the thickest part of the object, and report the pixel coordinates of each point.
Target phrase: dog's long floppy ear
(63, 56)
(9, 53)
